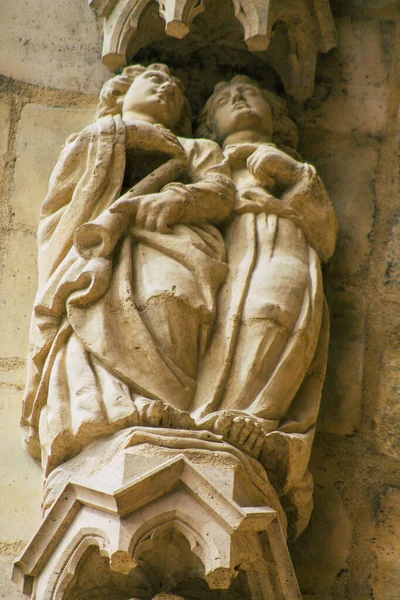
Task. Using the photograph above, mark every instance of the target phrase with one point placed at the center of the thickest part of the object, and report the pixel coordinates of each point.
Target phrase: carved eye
(222, 101)
(154, 76)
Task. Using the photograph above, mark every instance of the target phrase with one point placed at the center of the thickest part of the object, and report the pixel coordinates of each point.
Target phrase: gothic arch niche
(283, 34)
(165, 563)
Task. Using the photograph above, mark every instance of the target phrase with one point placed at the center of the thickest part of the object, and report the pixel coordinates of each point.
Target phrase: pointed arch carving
(287, 34)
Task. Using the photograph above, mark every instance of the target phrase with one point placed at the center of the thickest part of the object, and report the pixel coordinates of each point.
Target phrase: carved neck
(247, 137)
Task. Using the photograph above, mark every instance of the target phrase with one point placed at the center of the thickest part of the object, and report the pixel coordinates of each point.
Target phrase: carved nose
(166, 86)
(237, 96)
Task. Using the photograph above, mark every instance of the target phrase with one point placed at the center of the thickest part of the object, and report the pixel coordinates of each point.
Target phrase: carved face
(241, 106)
(157, 95)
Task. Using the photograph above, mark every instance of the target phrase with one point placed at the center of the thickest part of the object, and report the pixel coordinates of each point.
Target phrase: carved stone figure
(130, 326)
(127, 283)
(268, 355)
(180, 288)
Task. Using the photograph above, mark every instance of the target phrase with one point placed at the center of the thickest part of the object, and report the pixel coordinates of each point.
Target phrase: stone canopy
(285, 34)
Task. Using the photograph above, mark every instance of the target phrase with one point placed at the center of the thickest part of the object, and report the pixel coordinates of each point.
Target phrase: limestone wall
(350, 131)
(50, 62)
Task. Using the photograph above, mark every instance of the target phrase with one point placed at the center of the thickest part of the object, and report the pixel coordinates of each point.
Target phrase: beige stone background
(50, 74)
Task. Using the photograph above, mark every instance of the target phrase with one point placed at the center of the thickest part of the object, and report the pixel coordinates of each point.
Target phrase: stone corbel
(286, 34)
(115, 522)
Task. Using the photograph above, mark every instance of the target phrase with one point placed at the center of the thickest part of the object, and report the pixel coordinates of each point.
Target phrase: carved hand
(152, 138)
(260, 202)
(268, 163)
(154, 212)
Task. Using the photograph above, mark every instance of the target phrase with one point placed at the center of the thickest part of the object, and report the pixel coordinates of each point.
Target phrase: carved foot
(241, 430)
(155, 413)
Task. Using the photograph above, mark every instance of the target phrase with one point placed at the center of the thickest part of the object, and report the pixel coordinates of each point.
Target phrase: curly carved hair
(113, 92)
(285, 132)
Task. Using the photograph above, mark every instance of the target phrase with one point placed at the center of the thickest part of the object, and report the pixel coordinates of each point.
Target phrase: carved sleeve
(310, 198)
(210, 195)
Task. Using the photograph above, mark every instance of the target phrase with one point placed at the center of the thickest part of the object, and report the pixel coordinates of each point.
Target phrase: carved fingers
(242, 431)
(149, 209)
(255, 441)
(259, 201)
(268, 164)
(257, 165)
(154, 212)
(157, 212)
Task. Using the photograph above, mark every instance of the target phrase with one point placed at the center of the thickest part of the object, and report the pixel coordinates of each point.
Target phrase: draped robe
(129, 318)
(267, 357)
(137, 318)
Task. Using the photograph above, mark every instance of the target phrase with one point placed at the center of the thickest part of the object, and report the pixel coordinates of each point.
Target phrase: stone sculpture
(125, 305)
(178, 347)
(267, 358)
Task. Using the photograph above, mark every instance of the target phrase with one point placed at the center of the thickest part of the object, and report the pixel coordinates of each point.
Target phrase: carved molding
(286, 34)
(128, 524)
(178, 15)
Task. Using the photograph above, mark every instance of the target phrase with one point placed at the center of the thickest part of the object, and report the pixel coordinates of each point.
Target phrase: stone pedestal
(150, 511)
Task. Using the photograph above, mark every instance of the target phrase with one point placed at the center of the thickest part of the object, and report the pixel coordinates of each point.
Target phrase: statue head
(148, 91)
(241, 105)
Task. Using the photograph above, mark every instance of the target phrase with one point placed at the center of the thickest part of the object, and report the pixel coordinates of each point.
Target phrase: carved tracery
(286, 34)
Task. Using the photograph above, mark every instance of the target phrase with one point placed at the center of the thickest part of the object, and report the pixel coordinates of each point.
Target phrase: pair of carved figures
(179, 279)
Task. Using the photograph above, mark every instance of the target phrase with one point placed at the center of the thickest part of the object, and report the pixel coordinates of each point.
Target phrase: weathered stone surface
(385, 543)
(8, 591)
(169, 521)
(362, 109)
(42, 131)
(12, 370)
(358, 63)
(18, 285)
(19, 517)
(51, 44)
(4, 130)
(342, 392)
(348, 169)
(387, 416)
(392, 271)
(352, 93)
(321, 553)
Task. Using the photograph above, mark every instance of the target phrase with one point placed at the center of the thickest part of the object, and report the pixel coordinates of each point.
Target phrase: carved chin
(245, 117)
